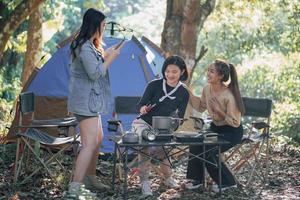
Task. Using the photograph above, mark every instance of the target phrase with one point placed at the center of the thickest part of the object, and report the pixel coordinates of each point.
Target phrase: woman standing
(89, 95)
(224, 104)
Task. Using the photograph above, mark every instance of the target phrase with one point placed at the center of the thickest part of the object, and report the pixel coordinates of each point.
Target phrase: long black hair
(179, 62)
(91, 23)
(228, 70)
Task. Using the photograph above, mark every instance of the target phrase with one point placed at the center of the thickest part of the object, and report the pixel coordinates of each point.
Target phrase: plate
(184, 136)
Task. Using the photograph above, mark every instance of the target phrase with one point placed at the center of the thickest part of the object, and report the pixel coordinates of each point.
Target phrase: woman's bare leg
(93, 164)
(91, 138)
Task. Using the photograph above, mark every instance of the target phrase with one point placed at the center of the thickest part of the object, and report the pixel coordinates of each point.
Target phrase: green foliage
(242, 29)
(5, 117)
(262, 39)
(145, 18)
(286, 120)
(280, 85)
(65, 19)
(8, 93)
(255, 83)
(288, 81)
(12, 61)
(61, 18)
(116, 10)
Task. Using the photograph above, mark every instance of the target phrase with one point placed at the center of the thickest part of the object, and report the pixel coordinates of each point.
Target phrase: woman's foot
(194, 184)
(78, 189)
(91, 182)
(215, 187)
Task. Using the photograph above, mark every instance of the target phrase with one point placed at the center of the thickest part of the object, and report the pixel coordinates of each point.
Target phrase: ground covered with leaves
(283, 180)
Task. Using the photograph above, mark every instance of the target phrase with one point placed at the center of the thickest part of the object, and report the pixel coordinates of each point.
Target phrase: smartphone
(120, 43)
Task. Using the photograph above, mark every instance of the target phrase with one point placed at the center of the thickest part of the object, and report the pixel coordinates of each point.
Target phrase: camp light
(148, 134)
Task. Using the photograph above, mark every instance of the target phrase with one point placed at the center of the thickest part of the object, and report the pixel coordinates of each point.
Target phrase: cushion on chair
(68, 121)
(257, 106)
(46, 139)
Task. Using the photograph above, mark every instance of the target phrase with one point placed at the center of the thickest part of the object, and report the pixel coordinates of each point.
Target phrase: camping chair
(254, 148)
(31, 138)
(125, 105)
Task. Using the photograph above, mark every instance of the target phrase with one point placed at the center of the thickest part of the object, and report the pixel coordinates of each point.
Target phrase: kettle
(130, 137)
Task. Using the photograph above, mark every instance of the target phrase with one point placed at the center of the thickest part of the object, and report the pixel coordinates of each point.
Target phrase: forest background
(261, 38)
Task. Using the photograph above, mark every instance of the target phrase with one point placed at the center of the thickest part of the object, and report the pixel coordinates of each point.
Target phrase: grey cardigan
(89, 89)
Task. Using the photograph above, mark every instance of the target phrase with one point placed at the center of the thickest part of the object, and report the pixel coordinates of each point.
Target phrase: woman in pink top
(225, 106)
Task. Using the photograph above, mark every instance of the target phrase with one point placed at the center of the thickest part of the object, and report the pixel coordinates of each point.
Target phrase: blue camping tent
(139, 62)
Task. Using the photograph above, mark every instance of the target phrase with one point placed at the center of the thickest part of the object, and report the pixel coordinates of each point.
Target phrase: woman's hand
(143, 110)
(111, 53)
(146, 108)
(215, 105)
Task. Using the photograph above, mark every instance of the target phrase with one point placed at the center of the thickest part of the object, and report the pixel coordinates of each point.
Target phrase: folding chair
(127, 106)
(30, 140)
(253, 151)
(124, 105)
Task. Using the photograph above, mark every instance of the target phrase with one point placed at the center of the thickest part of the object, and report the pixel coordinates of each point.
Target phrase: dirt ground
(283, 180)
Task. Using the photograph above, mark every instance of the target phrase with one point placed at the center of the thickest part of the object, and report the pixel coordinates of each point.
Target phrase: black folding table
(167, 146)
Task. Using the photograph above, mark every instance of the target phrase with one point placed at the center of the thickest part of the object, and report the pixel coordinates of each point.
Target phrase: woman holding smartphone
(89, 95)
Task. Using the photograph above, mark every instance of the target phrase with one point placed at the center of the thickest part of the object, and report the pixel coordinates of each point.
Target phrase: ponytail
(234, 88)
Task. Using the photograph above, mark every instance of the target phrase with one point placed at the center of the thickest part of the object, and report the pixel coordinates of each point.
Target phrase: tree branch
(11, 22)
(201, 54)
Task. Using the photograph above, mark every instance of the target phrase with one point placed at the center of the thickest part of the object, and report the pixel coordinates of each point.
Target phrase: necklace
(168, 95)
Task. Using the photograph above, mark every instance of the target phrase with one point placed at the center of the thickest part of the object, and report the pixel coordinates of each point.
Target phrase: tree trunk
(34, 44)
(12, 21)
(184, 20)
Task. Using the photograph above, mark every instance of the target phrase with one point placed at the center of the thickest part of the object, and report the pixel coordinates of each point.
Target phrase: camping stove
(163, 135)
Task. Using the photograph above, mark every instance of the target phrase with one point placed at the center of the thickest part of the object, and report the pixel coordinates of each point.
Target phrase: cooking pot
(165, 122)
